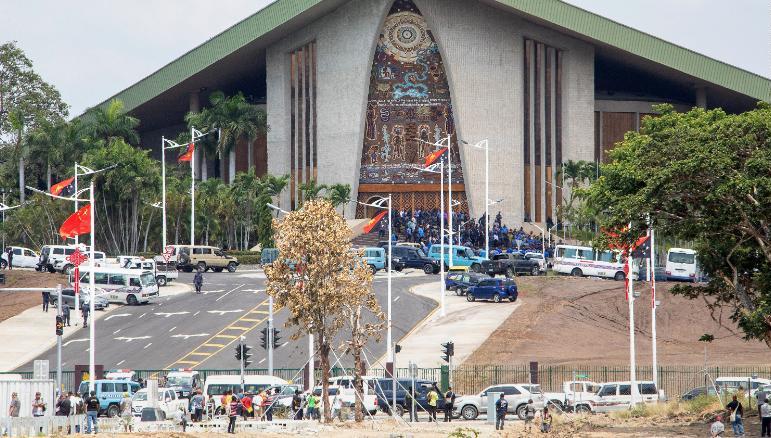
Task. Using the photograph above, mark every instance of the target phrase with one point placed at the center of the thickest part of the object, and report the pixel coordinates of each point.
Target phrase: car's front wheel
(535, 271)
(232, 267)
(522, 412)
(577, 272)
(373, 269)
(3, 264)
(620, 276)
(496, 298)
(428, 268)
(113, 411)
(161, 280)
(469, 412)
(583, 409)
(470, 297)
(132, 300)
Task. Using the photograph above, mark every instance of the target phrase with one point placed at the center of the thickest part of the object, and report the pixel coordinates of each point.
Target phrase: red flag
(371, 224)
(65, 187)
(435, 156)
(78, 223)
(188, 155)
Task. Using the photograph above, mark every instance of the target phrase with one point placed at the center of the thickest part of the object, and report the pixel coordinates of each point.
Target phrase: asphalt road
(201, 331)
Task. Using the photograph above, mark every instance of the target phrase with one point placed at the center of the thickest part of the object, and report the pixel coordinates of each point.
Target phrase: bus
(682, 265)
(125, 286)
(580, 261)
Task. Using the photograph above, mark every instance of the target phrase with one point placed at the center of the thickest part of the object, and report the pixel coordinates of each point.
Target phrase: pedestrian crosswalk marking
(221, 340)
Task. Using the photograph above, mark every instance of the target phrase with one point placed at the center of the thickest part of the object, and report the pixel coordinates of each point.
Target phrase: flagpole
(654, 305)
(449, 205)
(632, 354)
(92, 285)
(163, 185)
(441, 236)
(77, 240)
(192, 189)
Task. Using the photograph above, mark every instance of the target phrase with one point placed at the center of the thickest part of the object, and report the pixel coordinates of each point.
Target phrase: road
(201, 331)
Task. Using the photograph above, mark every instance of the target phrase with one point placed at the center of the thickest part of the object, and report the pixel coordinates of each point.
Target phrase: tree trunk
(204, 169)
(232, 165)
(22, 183)
(48, 175)
(324, 359)
(250, 154)
(357, 382)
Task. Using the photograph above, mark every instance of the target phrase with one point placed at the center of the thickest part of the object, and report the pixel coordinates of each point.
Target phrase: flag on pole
(78, 223)
(374, 221)
(431, 158)
(64, 188)
(642, 248)
(188, 155)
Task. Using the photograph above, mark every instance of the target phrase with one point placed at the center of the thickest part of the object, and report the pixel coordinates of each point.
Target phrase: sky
(92, 49)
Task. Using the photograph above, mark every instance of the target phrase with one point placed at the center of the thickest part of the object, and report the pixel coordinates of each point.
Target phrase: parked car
(50, 255)
(184, 381)
(22, 258)
(375, 258)
(495, 289)
(203, 258)
(462, 256)
(510, 265)
(538, 257)
(614, 396)
(169, 402)
(460, 282)
(699, 391)
(109, 393)
(68, 298)
(573, 391)
(732, 384)
(517, 394)
(162, 275)
(384, 391)
(411, 257)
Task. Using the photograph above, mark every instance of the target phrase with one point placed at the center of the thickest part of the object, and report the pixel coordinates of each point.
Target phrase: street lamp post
(486, 148)
(432, 169)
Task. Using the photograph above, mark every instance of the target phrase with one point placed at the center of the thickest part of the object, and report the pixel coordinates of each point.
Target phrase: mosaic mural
(409, 99)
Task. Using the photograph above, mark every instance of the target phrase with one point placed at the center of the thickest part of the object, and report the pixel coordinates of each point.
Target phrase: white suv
(22, 258)
(517, 394)
(616, 396)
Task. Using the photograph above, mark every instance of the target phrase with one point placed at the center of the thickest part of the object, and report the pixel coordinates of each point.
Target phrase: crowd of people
(422, 226)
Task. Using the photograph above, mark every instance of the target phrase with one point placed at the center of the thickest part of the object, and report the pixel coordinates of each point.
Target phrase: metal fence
(467, 379)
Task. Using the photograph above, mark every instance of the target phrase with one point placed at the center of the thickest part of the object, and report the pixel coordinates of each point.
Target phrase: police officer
(449, 401)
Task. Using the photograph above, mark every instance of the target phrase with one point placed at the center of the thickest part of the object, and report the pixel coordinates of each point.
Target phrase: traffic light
(264, 338)
(238, 352)
(276, 338)
(59, 325)
(245, 355)
(448, 349)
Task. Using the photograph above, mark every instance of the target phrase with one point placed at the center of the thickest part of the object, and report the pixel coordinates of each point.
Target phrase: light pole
(432, 169)
(485, 144)
(3, 208)
(448, 139)
(543, 239)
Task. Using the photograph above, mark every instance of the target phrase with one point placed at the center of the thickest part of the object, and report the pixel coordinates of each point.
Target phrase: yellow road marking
(219, 346)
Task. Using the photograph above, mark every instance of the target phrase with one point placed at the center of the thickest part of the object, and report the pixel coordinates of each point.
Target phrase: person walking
(232, 412)
(297, 405)
(449, 403)
(126, 412)
(84, 310)
(197, 404)
(9, 252)
(529, 416)
(46, 300)
(66, 314)
(736, 411)
(432, 398)
(501, 406)
(92, 411)
(198, 281)
(311, 406)
(765, 418)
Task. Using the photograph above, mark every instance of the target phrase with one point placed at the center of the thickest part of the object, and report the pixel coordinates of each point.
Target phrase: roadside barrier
(34, 426)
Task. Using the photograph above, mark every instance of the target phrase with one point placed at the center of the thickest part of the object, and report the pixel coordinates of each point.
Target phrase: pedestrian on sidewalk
(232, 412)
(85, 309)
(432, 398)
(66, 314)
(198, 281)
(736, 411)
(449, 402)
(546, 420)
(765, 418)
(92, 411)
(529, 416)
(46, 300)
(501, 406)
(126, 412)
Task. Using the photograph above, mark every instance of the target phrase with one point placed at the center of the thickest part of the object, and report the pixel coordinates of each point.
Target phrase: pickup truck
(573, 391)
(384, 391)
(510, 265)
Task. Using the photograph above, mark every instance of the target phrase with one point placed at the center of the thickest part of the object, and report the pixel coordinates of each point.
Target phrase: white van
(125, 286)
(168, 401)
(615, 396)
(732, 384)
(682, 265)
(580, 261)
(217, 385)
(162, 276)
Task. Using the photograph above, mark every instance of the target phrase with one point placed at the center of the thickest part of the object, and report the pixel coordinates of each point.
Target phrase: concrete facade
(482, 48)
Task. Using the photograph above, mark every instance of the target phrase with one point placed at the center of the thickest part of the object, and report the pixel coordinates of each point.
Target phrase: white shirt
(717, 427)
(765, 410)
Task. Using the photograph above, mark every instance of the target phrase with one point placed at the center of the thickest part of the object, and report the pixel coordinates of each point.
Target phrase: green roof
(555, 12)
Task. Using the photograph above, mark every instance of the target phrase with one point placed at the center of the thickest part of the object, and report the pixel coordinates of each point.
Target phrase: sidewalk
(467, 324)
(31, 333)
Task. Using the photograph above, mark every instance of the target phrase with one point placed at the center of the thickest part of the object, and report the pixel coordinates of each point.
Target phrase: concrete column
(701, 97)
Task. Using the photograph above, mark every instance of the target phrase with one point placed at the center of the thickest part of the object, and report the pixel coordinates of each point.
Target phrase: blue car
(494, 289)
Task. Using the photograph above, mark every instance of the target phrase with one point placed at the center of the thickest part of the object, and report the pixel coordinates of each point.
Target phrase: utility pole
(270, 330)
(59, 333)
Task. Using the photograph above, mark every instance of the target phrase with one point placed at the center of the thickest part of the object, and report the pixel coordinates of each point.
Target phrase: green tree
(275, 185)
(311, 190)
(112, 122)
(339, 194)
(701, 176)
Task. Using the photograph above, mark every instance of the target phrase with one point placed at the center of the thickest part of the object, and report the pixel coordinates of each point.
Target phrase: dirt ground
(13, 303)
(566, 320)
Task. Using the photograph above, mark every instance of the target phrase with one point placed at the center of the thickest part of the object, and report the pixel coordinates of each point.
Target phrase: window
(101, 278)
(501, 257)
(681, 257)
(197, 250)
(147, 279)
(108, 387)
(117, 279)
(648, 389)
(58, 251)
(98, 256)
(206, 251)
(607, 390)
(420, 252)
(484, 283)
(625, 390)
(568, 253)
(608, 256)
(492, 389)
(134, 282)
(68, 293)
(121, 387)
(17, 251)
(510, 390)
(69, 251)
(29, 253)
(586, 254)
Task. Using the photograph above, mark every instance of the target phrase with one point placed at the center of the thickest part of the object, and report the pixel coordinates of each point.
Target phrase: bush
(701, 404)
(249, 259)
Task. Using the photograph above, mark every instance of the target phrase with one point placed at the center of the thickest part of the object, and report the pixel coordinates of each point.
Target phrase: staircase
(361, 240)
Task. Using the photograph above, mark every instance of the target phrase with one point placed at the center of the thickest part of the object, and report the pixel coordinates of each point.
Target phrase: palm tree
(311, 190)
(339, 194)
(275, 185)
(111, 123)
(47, 142)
